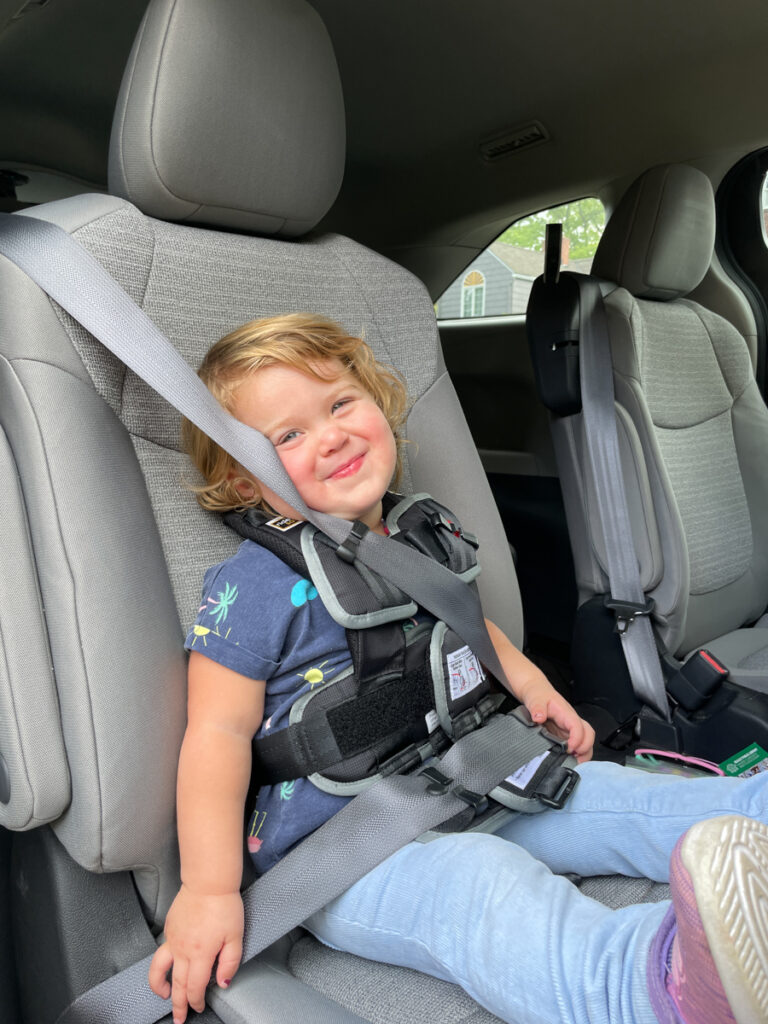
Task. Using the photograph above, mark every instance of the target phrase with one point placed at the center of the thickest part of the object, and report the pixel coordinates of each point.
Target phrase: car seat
(227, 149)
(692, 429)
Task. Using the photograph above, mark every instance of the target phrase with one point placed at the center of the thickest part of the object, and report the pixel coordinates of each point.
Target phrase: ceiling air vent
(513, 140)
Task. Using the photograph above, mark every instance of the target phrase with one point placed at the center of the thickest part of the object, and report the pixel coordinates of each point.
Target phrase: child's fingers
(179, 1001)
(538, 711)
(162, 962)
(229, 961)
(582, 740)
(197, 980)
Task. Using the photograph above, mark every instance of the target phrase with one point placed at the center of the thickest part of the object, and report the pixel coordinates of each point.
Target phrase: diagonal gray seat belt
(362, 834)
(77, 282)
(354, 841)
(599, 414)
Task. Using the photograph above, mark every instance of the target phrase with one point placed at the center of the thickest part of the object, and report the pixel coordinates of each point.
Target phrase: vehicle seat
(228, 148)
(693, 430)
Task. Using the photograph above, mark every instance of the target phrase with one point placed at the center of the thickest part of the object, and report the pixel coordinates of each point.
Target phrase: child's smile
(332, 438)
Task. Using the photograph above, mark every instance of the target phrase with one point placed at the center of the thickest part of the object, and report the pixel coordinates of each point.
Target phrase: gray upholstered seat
(693, 429)
(237, 130)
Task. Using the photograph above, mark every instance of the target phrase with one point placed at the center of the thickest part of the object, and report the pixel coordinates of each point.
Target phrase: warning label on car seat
(464, 671)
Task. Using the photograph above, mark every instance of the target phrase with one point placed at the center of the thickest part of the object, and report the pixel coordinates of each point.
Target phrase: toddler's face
(332, 438)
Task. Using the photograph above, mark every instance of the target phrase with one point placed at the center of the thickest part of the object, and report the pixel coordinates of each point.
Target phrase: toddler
(484, 910)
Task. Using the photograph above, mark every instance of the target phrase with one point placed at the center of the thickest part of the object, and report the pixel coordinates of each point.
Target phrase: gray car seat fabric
(692, 427)
(109, 546)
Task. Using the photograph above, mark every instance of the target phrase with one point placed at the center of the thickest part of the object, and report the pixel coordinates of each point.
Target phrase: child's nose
(332, 438)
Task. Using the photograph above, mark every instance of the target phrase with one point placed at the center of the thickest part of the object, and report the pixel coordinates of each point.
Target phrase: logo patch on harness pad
(283, 523)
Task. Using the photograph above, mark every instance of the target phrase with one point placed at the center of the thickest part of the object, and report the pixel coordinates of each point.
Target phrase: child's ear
(244, 487)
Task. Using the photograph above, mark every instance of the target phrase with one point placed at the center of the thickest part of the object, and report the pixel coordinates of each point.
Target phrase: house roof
(529, 262)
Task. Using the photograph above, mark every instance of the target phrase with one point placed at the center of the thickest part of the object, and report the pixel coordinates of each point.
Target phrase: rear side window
(499, 280)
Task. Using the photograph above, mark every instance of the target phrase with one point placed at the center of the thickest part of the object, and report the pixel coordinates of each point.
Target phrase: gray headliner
(618, 85)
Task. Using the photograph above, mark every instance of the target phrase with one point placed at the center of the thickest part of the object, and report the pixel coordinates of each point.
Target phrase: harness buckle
(627, 611)
(558, 800)
(347, 550)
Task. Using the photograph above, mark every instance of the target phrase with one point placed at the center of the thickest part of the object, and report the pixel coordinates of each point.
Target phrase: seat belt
(361, 835)
(74, 279)
(354, 841)
(628, 600)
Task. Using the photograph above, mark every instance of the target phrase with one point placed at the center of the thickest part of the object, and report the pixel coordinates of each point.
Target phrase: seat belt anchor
(627, 611)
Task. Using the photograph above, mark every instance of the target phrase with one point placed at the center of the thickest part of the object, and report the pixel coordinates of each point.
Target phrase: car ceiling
(617, 85)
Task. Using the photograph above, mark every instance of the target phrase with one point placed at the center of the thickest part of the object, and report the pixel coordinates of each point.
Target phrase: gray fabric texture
(658, 242)
(382, 994)
(209, 128)
(691, 387)
(700, 425)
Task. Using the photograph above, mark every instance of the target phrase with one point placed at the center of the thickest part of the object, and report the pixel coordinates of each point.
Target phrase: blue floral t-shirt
(261, 619)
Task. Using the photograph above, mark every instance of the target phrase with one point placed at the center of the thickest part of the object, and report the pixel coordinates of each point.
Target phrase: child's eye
(288, 436)
(339, 403)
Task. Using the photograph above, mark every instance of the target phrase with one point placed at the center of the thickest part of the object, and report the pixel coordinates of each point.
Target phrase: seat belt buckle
(626, 612)
(697, 680)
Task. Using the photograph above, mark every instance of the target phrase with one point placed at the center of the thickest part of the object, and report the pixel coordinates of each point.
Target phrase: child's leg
(626, 821)
(527, 945)
(481, 912)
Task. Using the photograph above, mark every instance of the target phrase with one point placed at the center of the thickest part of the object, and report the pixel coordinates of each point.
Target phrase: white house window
(499, 280)
(473, 294)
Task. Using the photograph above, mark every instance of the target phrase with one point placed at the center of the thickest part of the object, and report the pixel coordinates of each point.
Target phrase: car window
(498, 281)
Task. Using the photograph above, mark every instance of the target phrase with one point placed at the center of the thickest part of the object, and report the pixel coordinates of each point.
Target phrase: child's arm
(544, 703)
(206, 918)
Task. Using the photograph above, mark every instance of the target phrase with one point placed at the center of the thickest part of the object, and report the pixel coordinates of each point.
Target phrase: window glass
(498, 281)
(764, 208)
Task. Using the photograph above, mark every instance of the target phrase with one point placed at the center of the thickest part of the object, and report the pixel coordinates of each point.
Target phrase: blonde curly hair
(299, 340)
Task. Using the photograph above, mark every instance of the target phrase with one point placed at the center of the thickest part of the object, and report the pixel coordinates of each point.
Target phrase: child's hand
(197, 930)
(548, 708)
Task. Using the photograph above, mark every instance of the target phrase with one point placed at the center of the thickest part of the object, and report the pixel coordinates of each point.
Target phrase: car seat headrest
(231, 115)
(658, 243)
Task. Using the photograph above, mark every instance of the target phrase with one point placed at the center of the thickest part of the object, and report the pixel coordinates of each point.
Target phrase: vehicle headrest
(231, 115)
(658, 243)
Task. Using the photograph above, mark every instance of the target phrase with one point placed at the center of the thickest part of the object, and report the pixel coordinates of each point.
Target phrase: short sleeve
(244, 616)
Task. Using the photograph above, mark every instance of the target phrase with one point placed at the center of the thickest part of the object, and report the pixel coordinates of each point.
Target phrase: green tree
(582, 221)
